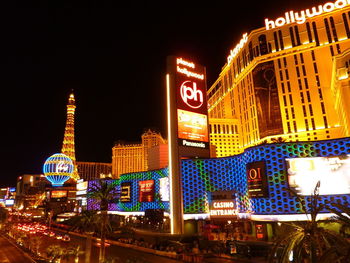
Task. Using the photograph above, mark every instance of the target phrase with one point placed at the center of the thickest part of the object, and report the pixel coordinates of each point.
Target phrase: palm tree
(75, 252)
(307, 239)
(339, 252)
(87, 222)
(103, 193)
(54, 253)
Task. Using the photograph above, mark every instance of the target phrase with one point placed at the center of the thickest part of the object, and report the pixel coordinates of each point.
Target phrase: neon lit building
(277, 81)
(68, 147)
(93, 170)
(133, 157)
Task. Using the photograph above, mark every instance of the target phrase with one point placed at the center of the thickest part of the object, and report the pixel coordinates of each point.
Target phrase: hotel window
(282, 85)
(323, 108)
(276, 41)
(285, 101)
(328, 31)
(295, 127)
(293, 113)
(315, 68)
(306, 125)
(295, 60)
(281, 39)
(313, 124)
(334, 31)
(288, 85)
(290, 99)
(301, 58)
(325, 122)
(288, 126)
(292, 36)
(298, 72)
(320, 94)
(315, 33)
(297, 35)
(311, 111)
(309, 31)
(304, 111)
(263, 44)
(308, 96)
(346, 25)
(250, 48)
(299, 84)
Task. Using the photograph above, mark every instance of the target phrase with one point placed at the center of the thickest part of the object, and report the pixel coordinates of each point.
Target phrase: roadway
(11, 254)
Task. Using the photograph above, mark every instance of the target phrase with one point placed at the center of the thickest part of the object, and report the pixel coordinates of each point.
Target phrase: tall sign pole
(188, 135)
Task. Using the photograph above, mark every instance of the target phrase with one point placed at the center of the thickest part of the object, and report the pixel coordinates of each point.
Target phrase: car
(66, 238)
(51, 234)
(98, 244)
(59, 237)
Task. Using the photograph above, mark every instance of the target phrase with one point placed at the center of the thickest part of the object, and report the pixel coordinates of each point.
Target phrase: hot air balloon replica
(58, 168)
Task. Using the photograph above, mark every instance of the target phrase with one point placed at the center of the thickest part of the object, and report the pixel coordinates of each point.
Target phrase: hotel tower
(287, 81)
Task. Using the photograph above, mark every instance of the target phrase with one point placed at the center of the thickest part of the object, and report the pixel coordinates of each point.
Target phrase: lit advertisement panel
(82, 186)
(58, 194)
(125, 192)
(266, 94)
(146, 191)
(164, 189)
(332, 172)
(256, 179)
(9, 202)
(192, 126)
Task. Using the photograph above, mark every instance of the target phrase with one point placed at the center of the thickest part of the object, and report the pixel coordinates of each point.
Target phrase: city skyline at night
(115, 60)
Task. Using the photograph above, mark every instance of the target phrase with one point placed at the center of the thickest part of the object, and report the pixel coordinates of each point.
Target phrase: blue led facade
(200, 177)
(58, 168)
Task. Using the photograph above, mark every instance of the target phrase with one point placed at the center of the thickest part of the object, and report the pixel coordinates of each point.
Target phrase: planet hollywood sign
(291, 17)
(300, 17)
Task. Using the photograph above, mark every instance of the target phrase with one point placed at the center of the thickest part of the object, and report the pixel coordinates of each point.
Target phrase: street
(10, 254)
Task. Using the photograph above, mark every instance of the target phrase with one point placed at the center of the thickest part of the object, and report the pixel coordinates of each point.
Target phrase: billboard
(125, 192)
(164, 189)
(332, 172)
(192, 126)
(82, 186)
(191, 103)
(267, 102)
(146, 191)
(58, 194)
(257, 180)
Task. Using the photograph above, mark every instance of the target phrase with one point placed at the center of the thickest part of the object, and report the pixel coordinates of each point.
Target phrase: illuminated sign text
(300, 17)
(192, 96)
(223, 208)
(237, 48)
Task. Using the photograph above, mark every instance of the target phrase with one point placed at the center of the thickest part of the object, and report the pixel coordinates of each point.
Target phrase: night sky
(114, 58)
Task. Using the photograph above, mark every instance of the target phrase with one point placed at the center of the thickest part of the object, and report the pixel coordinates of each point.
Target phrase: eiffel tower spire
(68, 147)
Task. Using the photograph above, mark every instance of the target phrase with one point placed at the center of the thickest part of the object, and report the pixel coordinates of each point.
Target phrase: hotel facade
(283, 82)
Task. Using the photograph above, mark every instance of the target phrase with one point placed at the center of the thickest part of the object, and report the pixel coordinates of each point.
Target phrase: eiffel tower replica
(68, 147)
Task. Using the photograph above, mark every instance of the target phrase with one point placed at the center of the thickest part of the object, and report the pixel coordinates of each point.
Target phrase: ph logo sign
(191, 95)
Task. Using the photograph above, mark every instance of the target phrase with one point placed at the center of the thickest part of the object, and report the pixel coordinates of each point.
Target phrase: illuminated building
(29, 191)
(68, 147)
(133, 157)
(276, 84)
(93, 170)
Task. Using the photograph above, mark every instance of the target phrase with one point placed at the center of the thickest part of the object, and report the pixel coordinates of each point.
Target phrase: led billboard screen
(332, 172)
(192, 126)
(164, 189)
(58, 194)
(257, 180)
(146, 191)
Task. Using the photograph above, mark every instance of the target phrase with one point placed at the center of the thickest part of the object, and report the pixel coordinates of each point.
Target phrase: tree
(54, 253)
(305, 240)
(88, 222)
(103, 193)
